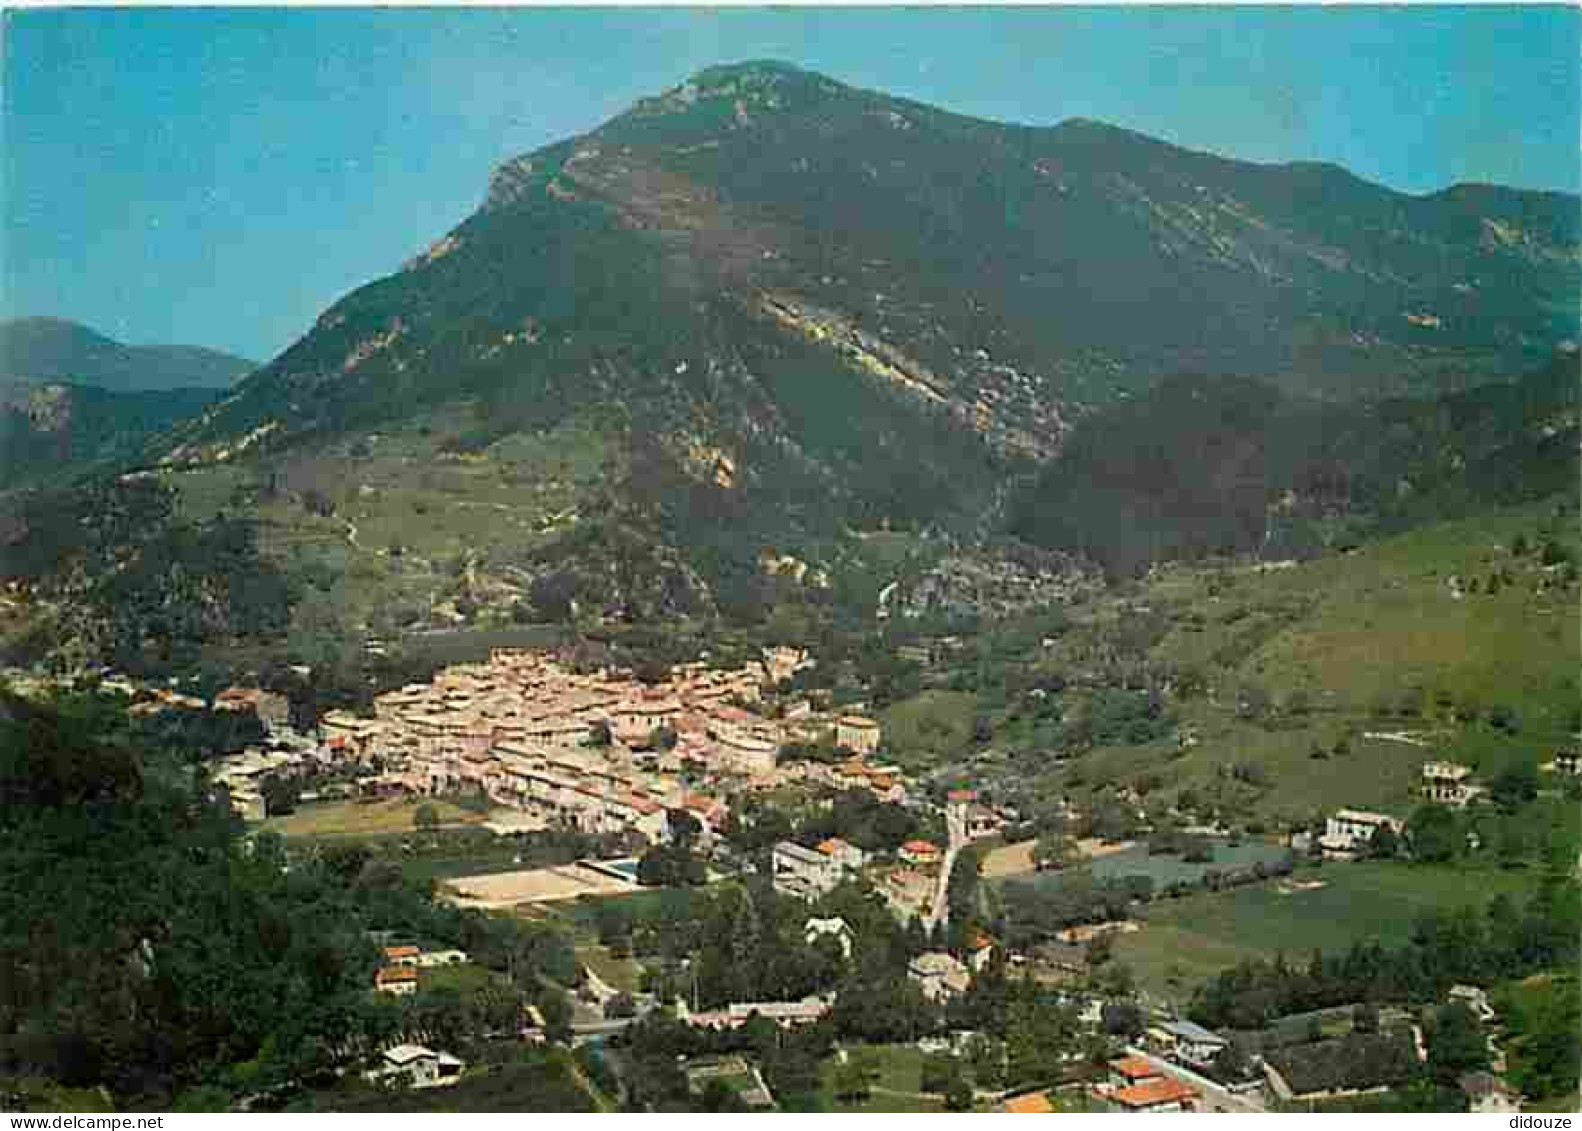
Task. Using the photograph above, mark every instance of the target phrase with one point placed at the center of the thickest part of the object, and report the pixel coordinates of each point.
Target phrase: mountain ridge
(763, 316)
(655, 169)
(73, 399)
(52, 349)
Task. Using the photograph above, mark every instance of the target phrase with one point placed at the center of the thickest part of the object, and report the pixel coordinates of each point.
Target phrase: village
(596, 752)
(668, 761)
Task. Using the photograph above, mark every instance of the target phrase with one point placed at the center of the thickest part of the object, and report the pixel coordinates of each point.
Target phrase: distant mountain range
(69, 396)
(40, 350)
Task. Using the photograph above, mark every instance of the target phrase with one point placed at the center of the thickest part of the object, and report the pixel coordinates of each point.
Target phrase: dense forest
(1200, 466)
(49, 434)
(151, 951)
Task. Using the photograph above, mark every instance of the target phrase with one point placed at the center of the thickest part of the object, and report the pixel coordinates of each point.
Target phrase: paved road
(940, 912)
(584, 1029)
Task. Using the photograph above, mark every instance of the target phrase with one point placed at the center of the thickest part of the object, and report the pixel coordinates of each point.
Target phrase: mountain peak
(748, 70)
(754, 84)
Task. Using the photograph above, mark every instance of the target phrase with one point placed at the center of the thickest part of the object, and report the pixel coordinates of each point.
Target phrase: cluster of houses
(908, 886)
(808, 873)
(598, 752)
(1137, 1084)
(909, 883)
(243, 774)
(1132, 1084)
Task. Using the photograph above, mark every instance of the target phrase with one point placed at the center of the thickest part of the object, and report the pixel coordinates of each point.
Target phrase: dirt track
(537, 885)
(1015, 859)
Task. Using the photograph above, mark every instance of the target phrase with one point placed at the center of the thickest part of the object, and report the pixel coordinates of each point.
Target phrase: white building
(1474, 998)
(1350, 830)
(431, 958)
(939, 975)
(785, 1014)
(1448, 783)
(415, 1067)
(746, 753)
(1187, 1041)
(803, 872)
(857, 733)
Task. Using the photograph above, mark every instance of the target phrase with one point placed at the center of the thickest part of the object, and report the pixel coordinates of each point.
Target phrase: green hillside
(1215, 465)
(1267, 695)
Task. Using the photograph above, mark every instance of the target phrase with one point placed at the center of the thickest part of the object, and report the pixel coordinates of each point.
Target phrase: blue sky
(219, 177)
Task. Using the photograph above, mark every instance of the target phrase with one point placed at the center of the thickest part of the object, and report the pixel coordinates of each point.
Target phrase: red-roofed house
(1033, 1103)
(1131, 1070)
(1164, 1094)
(398, 980)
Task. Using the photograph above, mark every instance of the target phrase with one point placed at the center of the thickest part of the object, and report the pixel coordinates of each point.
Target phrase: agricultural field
(645, 904)
(1185, 941)
(1516, 647)
(502, 890)
(465, 978)
(360, 818)
(1005, 860)
(442, 866)
(897, 1089)
(1163, 870)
